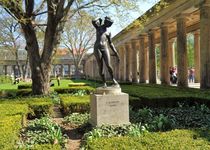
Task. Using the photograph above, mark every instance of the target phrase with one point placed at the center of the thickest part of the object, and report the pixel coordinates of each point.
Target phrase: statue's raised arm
(97, 22)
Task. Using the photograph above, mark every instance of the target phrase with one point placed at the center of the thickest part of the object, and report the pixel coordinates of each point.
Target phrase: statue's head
(108, 22)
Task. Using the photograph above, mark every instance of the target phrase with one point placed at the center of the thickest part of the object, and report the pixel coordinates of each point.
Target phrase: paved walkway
(191, 85)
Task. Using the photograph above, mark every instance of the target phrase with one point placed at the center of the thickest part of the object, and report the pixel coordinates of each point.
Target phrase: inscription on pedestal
(109, 109)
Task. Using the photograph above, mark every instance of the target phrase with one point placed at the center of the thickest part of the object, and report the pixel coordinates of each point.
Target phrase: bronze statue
(101, 51)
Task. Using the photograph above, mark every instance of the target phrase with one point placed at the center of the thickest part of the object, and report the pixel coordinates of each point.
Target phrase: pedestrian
(58, 79)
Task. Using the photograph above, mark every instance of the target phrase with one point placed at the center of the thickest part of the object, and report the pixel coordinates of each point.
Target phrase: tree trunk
(25, 69)
(40, 68)
(18, 64)
(40, 78)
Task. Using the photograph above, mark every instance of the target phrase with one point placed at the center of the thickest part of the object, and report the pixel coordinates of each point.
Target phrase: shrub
(78, 84)
(161, 119)
(109, 131)
(25, 86)
(42, 131)
(8, 93)
(71, 104)
(76, 119)
(146, 95)
(74, 89)
(10, 127)
(38, 107)
(5, 79)
(12, 109)
(11, 120)
(176, 139)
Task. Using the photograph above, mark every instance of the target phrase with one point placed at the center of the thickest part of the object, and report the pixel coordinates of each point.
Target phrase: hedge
(74, 89)
(71, 104)
(5, 79)
(12, 93)
(11, 120)
(145, 95)
(78, 84)
(176, 139)
(25, 86)
(37, 106)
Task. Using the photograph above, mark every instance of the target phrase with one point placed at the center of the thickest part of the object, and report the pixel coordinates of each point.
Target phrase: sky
(143, 7)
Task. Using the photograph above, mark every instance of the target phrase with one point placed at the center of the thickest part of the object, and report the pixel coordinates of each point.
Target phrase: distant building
(63, 63)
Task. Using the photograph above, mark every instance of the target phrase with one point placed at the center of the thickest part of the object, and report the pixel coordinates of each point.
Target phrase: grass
(63, 84)
(160, 91)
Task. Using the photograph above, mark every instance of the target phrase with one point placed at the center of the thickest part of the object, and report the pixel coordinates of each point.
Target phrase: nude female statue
(101, 51)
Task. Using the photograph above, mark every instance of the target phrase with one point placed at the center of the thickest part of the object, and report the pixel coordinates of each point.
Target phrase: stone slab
(108, 90)
(109, 109)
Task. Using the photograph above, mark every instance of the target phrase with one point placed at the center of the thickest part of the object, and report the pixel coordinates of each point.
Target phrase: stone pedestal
(109, 106)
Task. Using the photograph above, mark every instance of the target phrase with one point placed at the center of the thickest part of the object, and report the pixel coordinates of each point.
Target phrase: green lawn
(63, 84)
(159, 91)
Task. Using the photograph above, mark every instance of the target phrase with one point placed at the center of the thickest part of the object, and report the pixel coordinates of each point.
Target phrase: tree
(10, 39)
(79, 37)
(56, 13)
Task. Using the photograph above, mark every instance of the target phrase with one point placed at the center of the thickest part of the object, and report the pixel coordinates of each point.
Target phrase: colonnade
(145, 44)
(169, 29)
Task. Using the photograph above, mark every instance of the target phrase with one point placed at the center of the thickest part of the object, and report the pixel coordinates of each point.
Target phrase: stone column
(152, 58)
(182, 52)
(5, 70)
(205, 44)
(164, 55)
(134, 61)
(69, 70)
(123, 63)
(171, 53)
(147, 64)
(62, 70)
(197, 56)
(142, 59)
(128, 61)
(120, 65)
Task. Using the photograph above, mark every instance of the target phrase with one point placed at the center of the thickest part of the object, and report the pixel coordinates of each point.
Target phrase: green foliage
(176, 139)
(9, 127)
(12, 109)
(190, 51)
(108, 131)
(5, 79)
(161, 123)
(74, 89)
(77, 119)
(71, 104)
(162, 119)
(38, 107)
(145, 95)
(42, 131)
(55, 98)
(12, 93)
(11, 120)
(46, 147)
(25, 86)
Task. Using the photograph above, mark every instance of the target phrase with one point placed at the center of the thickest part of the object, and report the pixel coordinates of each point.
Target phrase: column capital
(152, 30)
(143, 35)
(181, 16)
(164, 24)
(196, 32)
(134, 41)
(128, 44)
(171, 40)
(205, 3)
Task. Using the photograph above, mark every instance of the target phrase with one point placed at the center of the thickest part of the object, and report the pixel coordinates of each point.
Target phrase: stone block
(112, 109)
